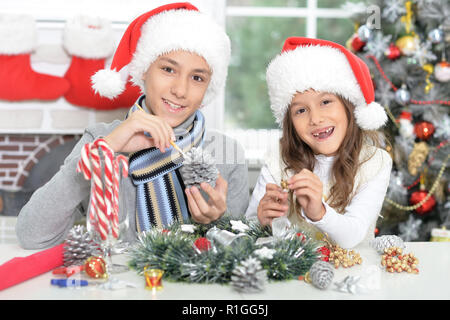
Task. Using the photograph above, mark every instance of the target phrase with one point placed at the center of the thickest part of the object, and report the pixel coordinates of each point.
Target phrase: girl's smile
(323, 133)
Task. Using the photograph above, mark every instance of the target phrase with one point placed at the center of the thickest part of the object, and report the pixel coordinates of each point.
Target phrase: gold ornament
(394, 260)
(408, 44)
(342, 257)
(284, 184)
(429, 68)
(417, 156)
(407, 18)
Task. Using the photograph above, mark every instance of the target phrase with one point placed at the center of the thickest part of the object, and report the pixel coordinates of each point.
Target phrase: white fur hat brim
(17, 34)
(322, 68)
(187, 30)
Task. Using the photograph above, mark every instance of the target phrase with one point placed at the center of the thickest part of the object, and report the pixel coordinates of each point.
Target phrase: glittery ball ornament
(424, 130)
(198, 166)
(393, 52)
(402, 96)
(364, 33)
(436, 35)
(356, 43)
(442, 71)
(420, 195)
(408, 44)
(95, 267)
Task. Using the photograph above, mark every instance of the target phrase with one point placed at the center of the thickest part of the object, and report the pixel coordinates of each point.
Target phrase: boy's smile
(175, 84)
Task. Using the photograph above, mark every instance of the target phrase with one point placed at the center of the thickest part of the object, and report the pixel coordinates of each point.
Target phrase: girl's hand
(129, 135)
(308, 189)
(207, 212)
(274, 204)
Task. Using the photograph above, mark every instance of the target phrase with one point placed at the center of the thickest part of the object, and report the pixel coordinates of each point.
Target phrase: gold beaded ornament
(395, 261)
(342, 257)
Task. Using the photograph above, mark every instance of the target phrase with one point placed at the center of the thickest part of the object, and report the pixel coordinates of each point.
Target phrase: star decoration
(239, 225)
(349, 284)
(265, 253)
(378, 45)
(188, 228)
(409, 230)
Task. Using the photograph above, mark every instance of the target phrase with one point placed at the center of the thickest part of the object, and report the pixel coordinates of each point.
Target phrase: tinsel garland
(172, 250)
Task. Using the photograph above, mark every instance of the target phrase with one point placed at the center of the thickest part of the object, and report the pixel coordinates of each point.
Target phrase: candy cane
(101, 209)
(104, 208)
(120, 159)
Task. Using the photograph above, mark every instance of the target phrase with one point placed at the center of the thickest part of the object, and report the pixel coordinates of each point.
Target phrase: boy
(179, 59)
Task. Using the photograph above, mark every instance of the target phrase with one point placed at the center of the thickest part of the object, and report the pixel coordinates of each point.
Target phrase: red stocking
(90, 41)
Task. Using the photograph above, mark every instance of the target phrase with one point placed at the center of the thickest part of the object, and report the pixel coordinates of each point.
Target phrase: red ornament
(377, 231)
(393, 52)
(299, 234)
(325, 253)
(357, 43)
(424, 130)
(202, 244)
(417, 197)
(95, 267)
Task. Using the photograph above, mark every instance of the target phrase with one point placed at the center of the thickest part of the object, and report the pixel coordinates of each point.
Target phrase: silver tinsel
(321, 274)
(383, 242)
(249, 276)
(198, 166)
(79, 246)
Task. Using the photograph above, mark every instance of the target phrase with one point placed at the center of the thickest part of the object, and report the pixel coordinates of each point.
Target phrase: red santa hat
(175, 26)
(324, 66)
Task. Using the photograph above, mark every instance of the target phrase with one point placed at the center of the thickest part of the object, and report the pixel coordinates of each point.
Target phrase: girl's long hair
(297, 155)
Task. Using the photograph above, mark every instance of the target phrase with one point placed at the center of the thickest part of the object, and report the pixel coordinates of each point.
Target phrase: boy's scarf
(160, 188)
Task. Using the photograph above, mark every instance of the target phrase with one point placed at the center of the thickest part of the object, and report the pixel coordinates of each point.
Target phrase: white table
(432, 282)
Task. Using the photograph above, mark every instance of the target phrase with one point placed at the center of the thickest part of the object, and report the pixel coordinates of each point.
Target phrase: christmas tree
(406, 46)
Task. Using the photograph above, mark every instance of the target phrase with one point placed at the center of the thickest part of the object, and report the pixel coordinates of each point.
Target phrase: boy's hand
(206, 212)
(274, 204)
(129, 135)
(308, 189)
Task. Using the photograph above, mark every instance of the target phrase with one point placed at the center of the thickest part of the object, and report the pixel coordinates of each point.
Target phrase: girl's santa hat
(324, 66)
(176, 26)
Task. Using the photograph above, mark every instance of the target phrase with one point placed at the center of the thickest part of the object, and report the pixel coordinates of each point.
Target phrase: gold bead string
(430, 193)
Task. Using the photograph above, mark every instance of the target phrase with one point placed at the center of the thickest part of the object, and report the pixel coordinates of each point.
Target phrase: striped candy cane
(104, 208)
(120, 159)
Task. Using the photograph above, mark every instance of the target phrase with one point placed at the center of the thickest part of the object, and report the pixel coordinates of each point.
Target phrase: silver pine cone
(386, 241)
(249, 276)
(79, 246)
(321, 274)
(198, 166)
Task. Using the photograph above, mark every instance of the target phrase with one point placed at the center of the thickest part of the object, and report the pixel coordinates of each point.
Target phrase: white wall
(60, 116)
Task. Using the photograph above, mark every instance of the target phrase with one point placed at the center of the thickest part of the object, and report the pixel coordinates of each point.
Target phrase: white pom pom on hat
(325, 66)
(175, 26)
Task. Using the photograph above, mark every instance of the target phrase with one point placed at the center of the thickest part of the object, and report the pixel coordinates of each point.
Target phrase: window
(257, 29)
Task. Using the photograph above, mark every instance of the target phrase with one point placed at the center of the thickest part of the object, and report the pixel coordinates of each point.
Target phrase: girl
(335, 175)
(179, 58)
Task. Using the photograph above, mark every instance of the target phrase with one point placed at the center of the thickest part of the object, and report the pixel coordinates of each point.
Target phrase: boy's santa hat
(324, 66)
(176, 26)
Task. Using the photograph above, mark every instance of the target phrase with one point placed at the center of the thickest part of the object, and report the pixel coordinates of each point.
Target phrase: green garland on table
(172, 250)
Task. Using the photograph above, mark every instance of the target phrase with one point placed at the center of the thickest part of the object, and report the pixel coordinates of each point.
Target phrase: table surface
(432, 282)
